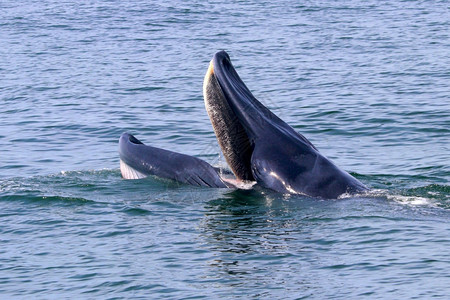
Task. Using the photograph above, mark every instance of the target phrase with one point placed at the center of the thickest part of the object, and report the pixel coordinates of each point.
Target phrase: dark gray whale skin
(148, 160)
(281, 159)
(258, 147)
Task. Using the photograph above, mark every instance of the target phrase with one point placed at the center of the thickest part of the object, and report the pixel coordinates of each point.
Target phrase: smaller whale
(257, 145)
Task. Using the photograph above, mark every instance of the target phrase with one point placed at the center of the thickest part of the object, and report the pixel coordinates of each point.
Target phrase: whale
(257, 145)
(138, 160)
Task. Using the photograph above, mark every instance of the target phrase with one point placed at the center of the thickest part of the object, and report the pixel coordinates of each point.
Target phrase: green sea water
(366, 82)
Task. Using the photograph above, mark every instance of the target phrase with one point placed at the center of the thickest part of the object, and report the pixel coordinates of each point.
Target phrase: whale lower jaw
(130, 173)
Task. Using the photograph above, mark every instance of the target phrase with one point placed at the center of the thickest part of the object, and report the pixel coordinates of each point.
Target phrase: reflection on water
(252, 234)
(262, 238)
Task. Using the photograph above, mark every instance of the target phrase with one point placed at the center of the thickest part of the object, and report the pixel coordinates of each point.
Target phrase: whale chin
(130, 173)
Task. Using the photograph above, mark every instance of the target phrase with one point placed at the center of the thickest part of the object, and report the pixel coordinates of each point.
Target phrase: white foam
(411, 200)
(130, 173)
(402, 199)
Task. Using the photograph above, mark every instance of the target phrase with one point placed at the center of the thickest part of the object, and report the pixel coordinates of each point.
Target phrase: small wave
(74, 187)
(102, 172)
(403, 198)
(144, 89)
(136, 211)
(46, 199)
(415, 189)
(412, 200)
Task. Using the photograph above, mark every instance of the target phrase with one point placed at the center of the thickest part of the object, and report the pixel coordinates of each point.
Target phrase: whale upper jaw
(239, 120)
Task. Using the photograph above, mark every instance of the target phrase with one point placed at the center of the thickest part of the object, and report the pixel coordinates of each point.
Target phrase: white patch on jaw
(130, 173)
(240, 184)
(286, 186)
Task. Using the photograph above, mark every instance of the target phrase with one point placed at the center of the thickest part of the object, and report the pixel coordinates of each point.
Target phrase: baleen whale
(257, 145)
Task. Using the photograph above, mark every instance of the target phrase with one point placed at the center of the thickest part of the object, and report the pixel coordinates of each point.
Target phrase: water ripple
(366, 82)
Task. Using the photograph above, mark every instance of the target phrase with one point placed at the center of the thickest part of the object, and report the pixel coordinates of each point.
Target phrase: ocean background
(367, 82)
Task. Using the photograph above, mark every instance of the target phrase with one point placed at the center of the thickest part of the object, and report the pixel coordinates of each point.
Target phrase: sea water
(367, 82)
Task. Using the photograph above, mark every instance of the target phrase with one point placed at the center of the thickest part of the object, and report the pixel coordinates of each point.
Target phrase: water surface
(367, 83)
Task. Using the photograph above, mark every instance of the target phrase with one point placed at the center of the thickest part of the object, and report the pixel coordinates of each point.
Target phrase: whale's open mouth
(238, 118)
(231, 135)
(257, 145)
